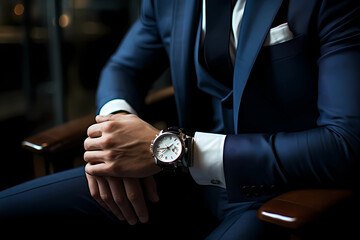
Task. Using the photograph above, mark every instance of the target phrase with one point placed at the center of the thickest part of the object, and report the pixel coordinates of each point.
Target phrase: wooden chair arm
(73, 133)
(61, 137)
(297, 208)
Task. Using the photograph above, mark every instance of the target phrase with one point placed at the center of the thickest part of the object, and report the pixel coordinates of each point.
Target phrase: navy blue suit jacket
(296, 104)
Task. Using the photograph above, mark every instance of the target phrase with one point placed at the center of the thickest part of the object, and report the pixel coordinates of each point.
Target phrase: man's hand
(119, 146)
(117, 155)
(123, 197)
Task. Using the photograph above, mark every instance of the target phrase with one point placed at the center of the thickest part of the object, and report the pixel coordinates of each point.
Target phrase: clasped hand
(120, 165)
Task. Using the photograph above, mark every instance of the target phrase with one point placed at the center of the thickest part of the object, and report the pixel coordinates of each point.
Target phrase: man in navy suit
(270, 89)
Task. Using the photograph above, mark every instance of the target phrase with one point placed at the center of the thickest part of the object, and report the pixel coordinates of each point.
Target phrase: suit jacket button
(215, 181)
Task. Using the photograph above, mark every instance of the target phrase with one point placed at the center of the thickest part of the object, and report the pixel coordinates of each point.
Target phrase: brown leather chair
(303, 214)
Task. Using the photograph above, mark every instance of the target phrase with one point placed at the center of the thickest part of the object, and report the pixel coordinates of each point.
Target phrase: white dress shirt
(208, 147)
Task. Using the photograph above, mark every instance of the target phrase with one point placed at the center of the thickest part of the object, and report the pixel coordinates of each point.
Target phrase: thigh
(62, 201)
(241, 225)
(246, 225)
(63, 195)
(238, 220)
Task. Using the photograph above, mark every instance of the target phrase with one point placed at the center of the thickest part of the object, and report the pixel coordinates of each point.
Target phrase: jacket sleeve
(327, 155)
(138, 61)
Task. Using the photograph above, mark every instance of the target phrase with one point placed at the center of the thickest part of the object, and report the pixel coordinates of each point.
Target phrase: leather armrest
(61, 137)
(297, 208)
(158, 95)
(73, 133)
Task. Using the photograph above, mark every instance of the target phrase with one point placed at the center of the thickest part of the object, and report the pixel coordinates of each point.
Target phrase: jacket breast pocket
(286, 49)
(287, 75)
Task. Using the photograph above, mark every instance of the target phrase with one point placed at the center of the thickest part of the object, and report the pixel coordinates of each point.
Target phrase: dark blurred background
(51, 55)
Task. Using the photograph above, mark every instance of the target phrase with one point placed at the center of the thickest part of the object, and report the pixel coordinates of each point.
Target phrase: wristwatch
(172, 149)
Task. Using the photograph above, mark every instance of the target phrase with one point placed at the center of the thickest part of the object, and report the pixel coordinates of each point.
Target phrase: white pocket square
(278, 35)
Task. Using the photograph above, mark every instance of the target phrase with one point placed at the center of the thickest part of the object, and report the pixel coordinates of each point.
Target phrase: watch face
(167, 147)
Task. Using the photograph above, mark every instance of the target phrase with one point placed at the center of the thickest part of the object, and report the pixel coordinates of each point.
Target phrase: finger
(95, 157)
(94, 191)
(107, 197)
(100, 169)
(91, 144)
(151, 189)
(135, 195)
(103, 118)
(94, 131)
(121, 200)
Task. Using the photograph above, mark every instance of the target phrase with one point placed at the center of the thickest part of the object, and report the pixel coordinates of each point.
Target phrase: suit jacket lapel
(257, 20)
(185, 21)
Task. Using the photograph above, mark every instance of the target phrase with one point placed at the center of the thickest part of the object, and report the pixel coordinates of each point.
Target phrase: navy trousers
(62, 202)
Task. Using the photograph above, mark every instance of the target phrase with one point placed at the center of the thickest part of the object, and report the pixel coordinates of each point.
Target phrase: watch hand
(168, 147)
(162, 150)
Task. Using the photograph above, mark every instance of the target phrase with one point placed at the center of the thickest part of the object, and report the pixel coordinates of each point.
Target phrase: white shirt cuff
(116, 105)
(208, 167)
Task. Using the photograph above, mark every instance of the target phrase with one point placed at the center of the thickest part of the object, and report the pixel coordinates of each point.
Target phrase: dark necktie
(217, 40)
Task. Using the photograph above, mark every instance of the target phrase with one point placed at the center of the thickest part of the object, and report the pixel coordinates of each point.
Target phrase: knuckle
(107, 142)
(133, 197)
(105, 197)
(119, 201)
(110, 155)
(131, 116)
(96, 196)
(109, 126)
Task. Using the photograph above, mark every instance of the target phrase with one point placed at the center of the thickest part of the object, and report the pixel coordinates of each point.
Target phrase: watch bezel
(154, 145)
(185, 159)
